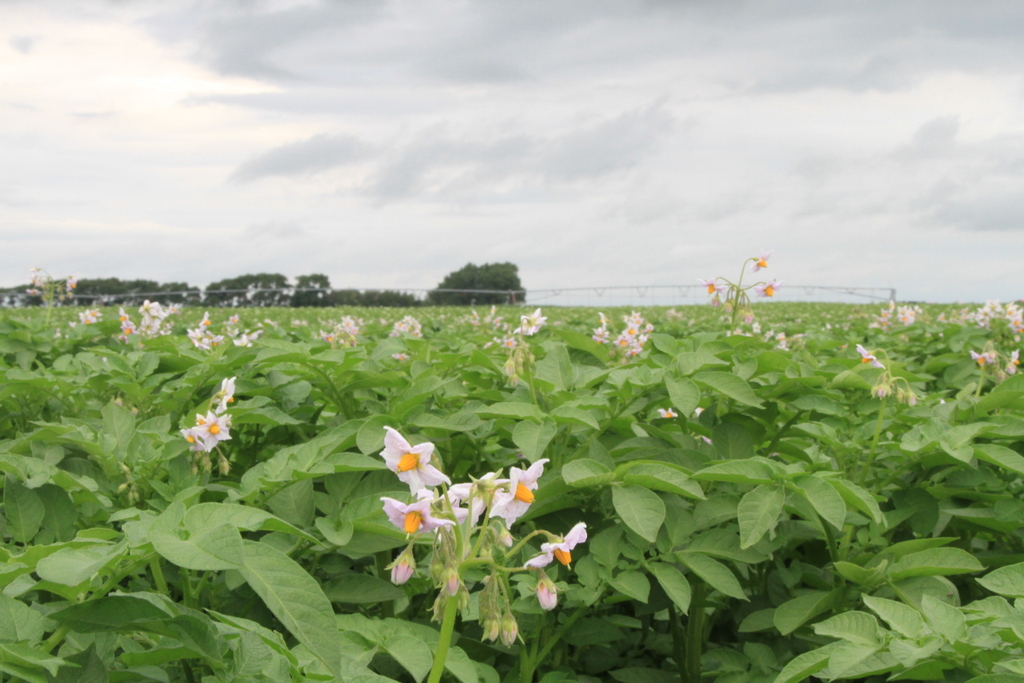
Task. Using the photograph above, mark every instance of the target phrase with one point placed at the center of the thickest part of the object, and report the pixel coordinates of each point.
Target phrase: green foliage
(503, 277)
(795, 527)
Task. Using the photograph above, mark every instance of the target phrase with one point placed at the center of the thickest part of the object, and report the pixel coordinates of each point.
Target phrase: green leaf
(857, 498)
(632, 583)
(802, 666)
(518, 411)
(1001, 456)
(573, 415)
(19, 622)
(112, 613)
(641, 510)
(732, 441)
(903, 619)
(87, 667)
(714, 573)
(854, 626)
(586, 472)
(825, 500)
(675, 584)
(358, 589)
(1008, 580)
(458, 664)
(294, 503)
(684, 394)
(119, 423)
(758, 513)
(216, 548)
(23, 509)
(730, 385)
(533, 437)
(72, 566)
(295, 598)
(944, 619)
(414, 655)
(756, 470)
(370, 437)
(934, 562)
(660, 476)
(30, 658)
(792, 614)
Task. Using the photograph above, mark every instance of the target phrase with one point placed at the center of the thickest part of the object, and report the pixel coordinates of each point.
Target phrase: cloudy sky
(592, 142)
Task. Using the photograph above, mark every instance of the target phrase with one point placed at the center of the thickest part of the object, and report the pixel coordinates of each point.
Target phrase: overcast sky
(591, 142)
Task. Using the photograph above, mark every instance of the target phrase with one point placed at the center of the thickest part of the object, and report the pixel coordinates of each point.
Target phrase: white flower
(531, 324)
(561, 551)
(226, 395)
(761, 262)
(414, 517)
(479, 490)
(866, 357)
(211, 429)
(667, 413)
(411, 463)
(511, 504)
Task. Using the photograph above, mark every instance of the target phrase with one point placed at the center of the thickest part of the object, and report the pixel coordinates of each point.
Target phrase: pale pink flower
(414, 517)
(403, 568)
(713, 286)
(511, 504)
(761, 262)
(866, 357)
(411, 463)
(769, 288)
(531, 324)
(1011, 367)
(562, 550)
(225, 396)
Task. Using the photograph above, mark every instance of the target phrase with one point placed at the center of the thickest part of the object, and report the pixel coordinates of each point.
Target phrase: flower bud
(547, 593)
(492, 629)
(505, 538)
(451, 581)
(509, 629)
(403, 568)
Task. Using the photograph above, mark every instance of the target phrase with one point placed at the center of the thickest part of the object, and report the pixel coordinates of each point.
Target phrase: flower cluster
(212, 428)
(407, 325)
(344, 333)
(468, 525)
(520, 358)
(202, 338)
(154, 320)
(887, 384)
(734, 296)
(632, 338)
(492, 318)
(239, 338)
(90, 316)
(996, 364)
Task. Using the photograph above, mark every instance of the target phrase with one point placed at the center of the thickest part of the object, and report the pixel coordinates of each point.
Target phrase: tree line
(314, 290)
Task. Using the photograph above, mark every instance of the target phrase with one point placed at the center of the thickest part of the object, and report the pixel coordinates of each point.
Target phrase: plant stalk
(451, 606)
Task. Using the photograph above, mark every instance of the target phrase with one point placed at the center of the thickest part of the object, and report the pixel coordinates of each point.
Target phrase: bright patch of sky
(592, 142)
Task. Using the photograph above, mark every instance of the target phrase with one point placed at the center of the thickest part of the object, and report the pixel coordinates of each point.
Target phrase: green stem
(526, 674)
(678, 643)
(874, 442)
(981, 383)
(451, 606)
(695, 633)
(387, 607)
(158, 576)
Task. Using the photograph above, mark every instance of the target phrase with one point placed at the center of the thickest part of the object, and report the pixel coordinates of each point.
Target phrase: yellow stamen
(413, 521)
(563, 556)
(123, 318)
(231, 399)
(769, 290)
(762, 263)
(711, 289)
(190, 438)
(865, 360)
(215, 428)
(524, 494)
(408, 462)
(981, 360)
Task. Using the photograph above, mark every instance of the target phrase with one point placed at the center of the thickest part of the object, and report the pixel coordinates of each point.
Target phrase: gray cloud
(275, 230)
(22, 44)
(318, 153)
(991, 212)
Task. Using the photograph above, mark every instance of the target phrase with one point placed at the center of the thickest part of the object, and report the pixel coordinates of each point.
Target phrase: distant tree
(116, 291)
(389, 298)
(315, 280)
(251, 293)
(492, 276)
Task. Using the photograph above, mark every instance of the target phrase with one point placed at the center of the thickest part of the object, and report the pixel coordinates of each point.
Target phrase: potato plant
(763, 500)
